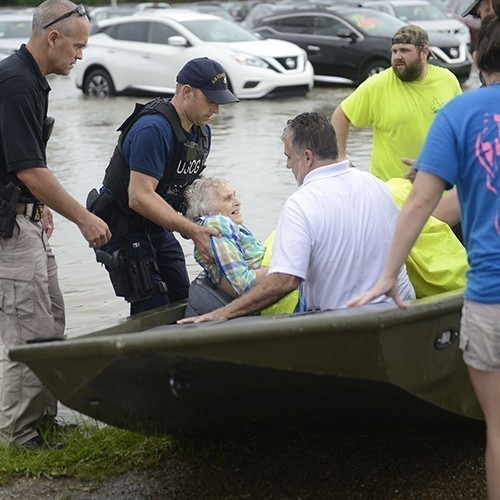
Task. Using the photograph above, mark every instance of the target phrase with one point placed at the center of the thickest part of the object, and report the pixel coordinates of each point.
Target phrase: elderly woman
(238, 255)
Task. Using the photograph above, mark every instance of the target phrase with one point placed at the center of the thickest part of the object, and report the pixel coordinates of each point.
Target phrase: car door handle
(313, 48)
(147, 56)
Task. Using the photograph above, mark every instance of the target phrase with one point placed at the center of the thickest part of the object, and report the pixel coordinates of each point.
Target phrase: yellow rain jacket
(287, 304)
(438, 261)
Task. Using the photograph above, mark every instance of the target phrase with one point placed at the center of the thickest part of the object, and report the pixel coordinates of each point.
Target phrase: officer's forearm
(46, 188)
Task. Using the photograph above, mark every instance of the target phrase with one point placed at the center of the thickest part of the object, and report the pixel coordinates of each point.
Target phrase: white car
(15, 29)
(423, 14)
(142, 54)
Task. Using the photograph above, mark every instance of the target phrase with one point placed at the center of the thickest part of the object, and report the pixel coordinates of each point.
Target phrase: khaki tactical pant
(31, 306)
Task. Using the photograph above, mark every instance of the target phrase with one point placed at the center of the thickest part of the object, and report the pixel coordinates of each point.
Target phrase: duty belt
(31, 210)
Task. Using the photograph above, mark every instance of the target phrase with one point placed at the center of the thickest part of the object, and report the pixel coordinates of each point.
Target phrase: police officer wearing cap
(162, 149)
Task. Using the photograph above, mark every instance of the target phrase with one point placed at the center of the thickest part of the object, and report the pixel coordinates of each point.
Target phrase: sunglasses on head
(79, 9)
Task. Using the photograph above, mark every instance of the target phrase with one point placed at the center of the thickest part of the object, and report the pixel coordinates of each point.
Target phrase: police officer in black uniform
(162, 149)
(31, 304)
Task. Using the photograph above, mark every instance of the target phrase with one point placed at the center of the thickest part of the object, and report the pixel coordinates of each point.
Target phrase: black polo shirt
(24, 98)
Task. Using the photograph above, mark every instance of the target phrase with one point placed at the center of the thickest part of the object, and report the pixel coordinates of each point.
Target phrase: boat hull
(378, 361)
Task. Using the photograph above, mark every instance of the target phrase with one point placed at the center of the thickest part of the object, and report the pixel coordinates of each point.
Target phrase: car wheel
(372, 68)
(98, 83)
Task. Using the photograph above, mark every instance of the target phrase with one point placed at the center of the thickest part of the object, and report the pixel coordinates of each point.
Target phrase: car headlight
(249, 60)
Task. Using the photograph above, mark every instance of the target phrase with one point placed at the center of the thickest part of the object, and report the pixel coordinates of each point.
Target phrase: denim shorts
(480, 335)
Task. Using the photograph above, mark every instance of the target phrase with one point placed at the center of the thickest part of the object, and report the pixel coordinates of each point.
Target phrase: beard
(409, 72)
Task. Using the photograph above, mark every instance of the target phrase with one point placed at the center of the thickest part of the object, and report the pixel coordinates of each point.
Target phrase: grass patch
(93, 451)
(90, 451)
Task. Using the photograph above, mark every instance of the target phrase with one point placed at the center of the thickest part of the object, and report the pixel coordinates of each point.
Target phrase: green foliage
(90, 451)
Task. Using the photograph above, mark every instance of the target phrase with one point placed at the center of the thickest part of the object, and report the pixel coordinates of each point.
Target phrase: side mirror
(345, 33)
(177, 41)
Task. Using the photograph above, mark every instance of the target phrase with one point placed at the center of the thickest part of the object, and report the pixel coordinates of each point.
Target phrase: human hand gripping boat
(150, 375)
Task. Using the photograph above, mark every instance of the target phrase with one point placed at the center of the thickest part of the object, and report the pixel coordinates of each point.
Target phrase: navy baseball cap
(208, 76)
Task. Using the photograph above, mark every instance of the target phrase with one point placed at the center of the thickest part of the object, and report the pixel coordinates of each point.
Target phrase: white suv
(142, 54)
(15, 29)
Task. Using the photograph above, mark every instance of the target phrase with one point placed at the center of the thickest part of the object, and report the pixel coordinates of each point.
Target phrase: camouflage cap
(412, 34)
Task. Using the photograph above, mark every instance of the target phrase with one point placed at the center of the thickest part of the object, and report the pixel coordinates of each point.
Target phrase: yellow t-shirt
(438, 261)
(400, 114)
(287, 304)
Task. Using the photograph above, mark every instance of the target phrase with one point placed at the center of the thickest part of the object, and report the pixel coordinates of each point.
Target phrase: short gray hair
(49, 10)
(200, 196)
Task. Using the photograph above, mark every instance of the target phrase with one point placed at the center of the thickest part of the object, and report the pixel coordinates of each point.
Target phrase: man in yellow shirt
(399, 103)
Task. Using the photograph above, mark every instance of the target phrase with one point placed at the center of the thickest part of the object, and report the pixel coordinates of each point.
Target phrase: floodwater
(246, 150)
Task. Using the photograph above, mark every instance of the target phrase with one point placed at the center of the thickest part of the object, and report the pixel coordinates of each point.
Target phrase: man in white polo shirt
(333, 233)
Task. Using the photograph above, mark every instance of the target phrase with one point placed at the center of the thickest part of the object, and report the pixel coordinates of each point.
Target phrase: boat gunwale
(238, 330)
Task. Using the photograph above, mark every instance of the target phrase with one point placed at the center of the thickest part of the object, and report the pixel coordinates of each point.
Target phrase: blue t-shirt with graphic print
(463, 149)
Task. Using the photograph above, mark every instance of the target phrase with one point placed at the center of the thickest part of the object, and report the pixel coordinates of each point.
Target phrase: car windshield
(374, 23)
(419, 12)
(15, 29)
(219, 30)
(213, 10)
(459, 6)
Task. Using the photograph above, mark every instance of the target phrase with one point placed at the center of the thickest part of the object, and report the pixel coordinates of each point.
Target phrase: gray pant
(31, 306)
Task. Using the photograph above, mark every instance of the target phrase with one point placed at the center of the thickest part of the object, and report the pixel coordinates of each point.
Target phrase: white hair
(200, 196)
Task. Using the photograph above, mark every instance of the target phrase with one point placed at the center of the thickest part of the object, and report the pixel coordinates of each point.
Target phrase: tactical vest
(188, 160)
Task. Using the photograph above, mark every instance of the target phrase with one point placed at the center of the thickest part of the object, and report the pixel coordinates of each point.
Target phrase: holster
(9, 194)
(102, 204)
(131, 276)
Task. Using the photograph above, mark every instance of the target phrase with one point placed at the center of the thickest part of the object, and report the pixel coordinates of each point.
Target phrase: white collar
(331, 170)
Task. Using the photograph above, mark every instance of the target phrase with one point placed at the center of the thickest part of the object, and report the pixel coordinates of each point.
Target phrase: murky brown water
(246, 150)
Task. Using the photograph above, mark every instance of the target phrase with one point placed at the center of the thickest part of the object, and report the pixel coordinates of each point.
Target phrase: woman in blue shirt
(463, 149)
